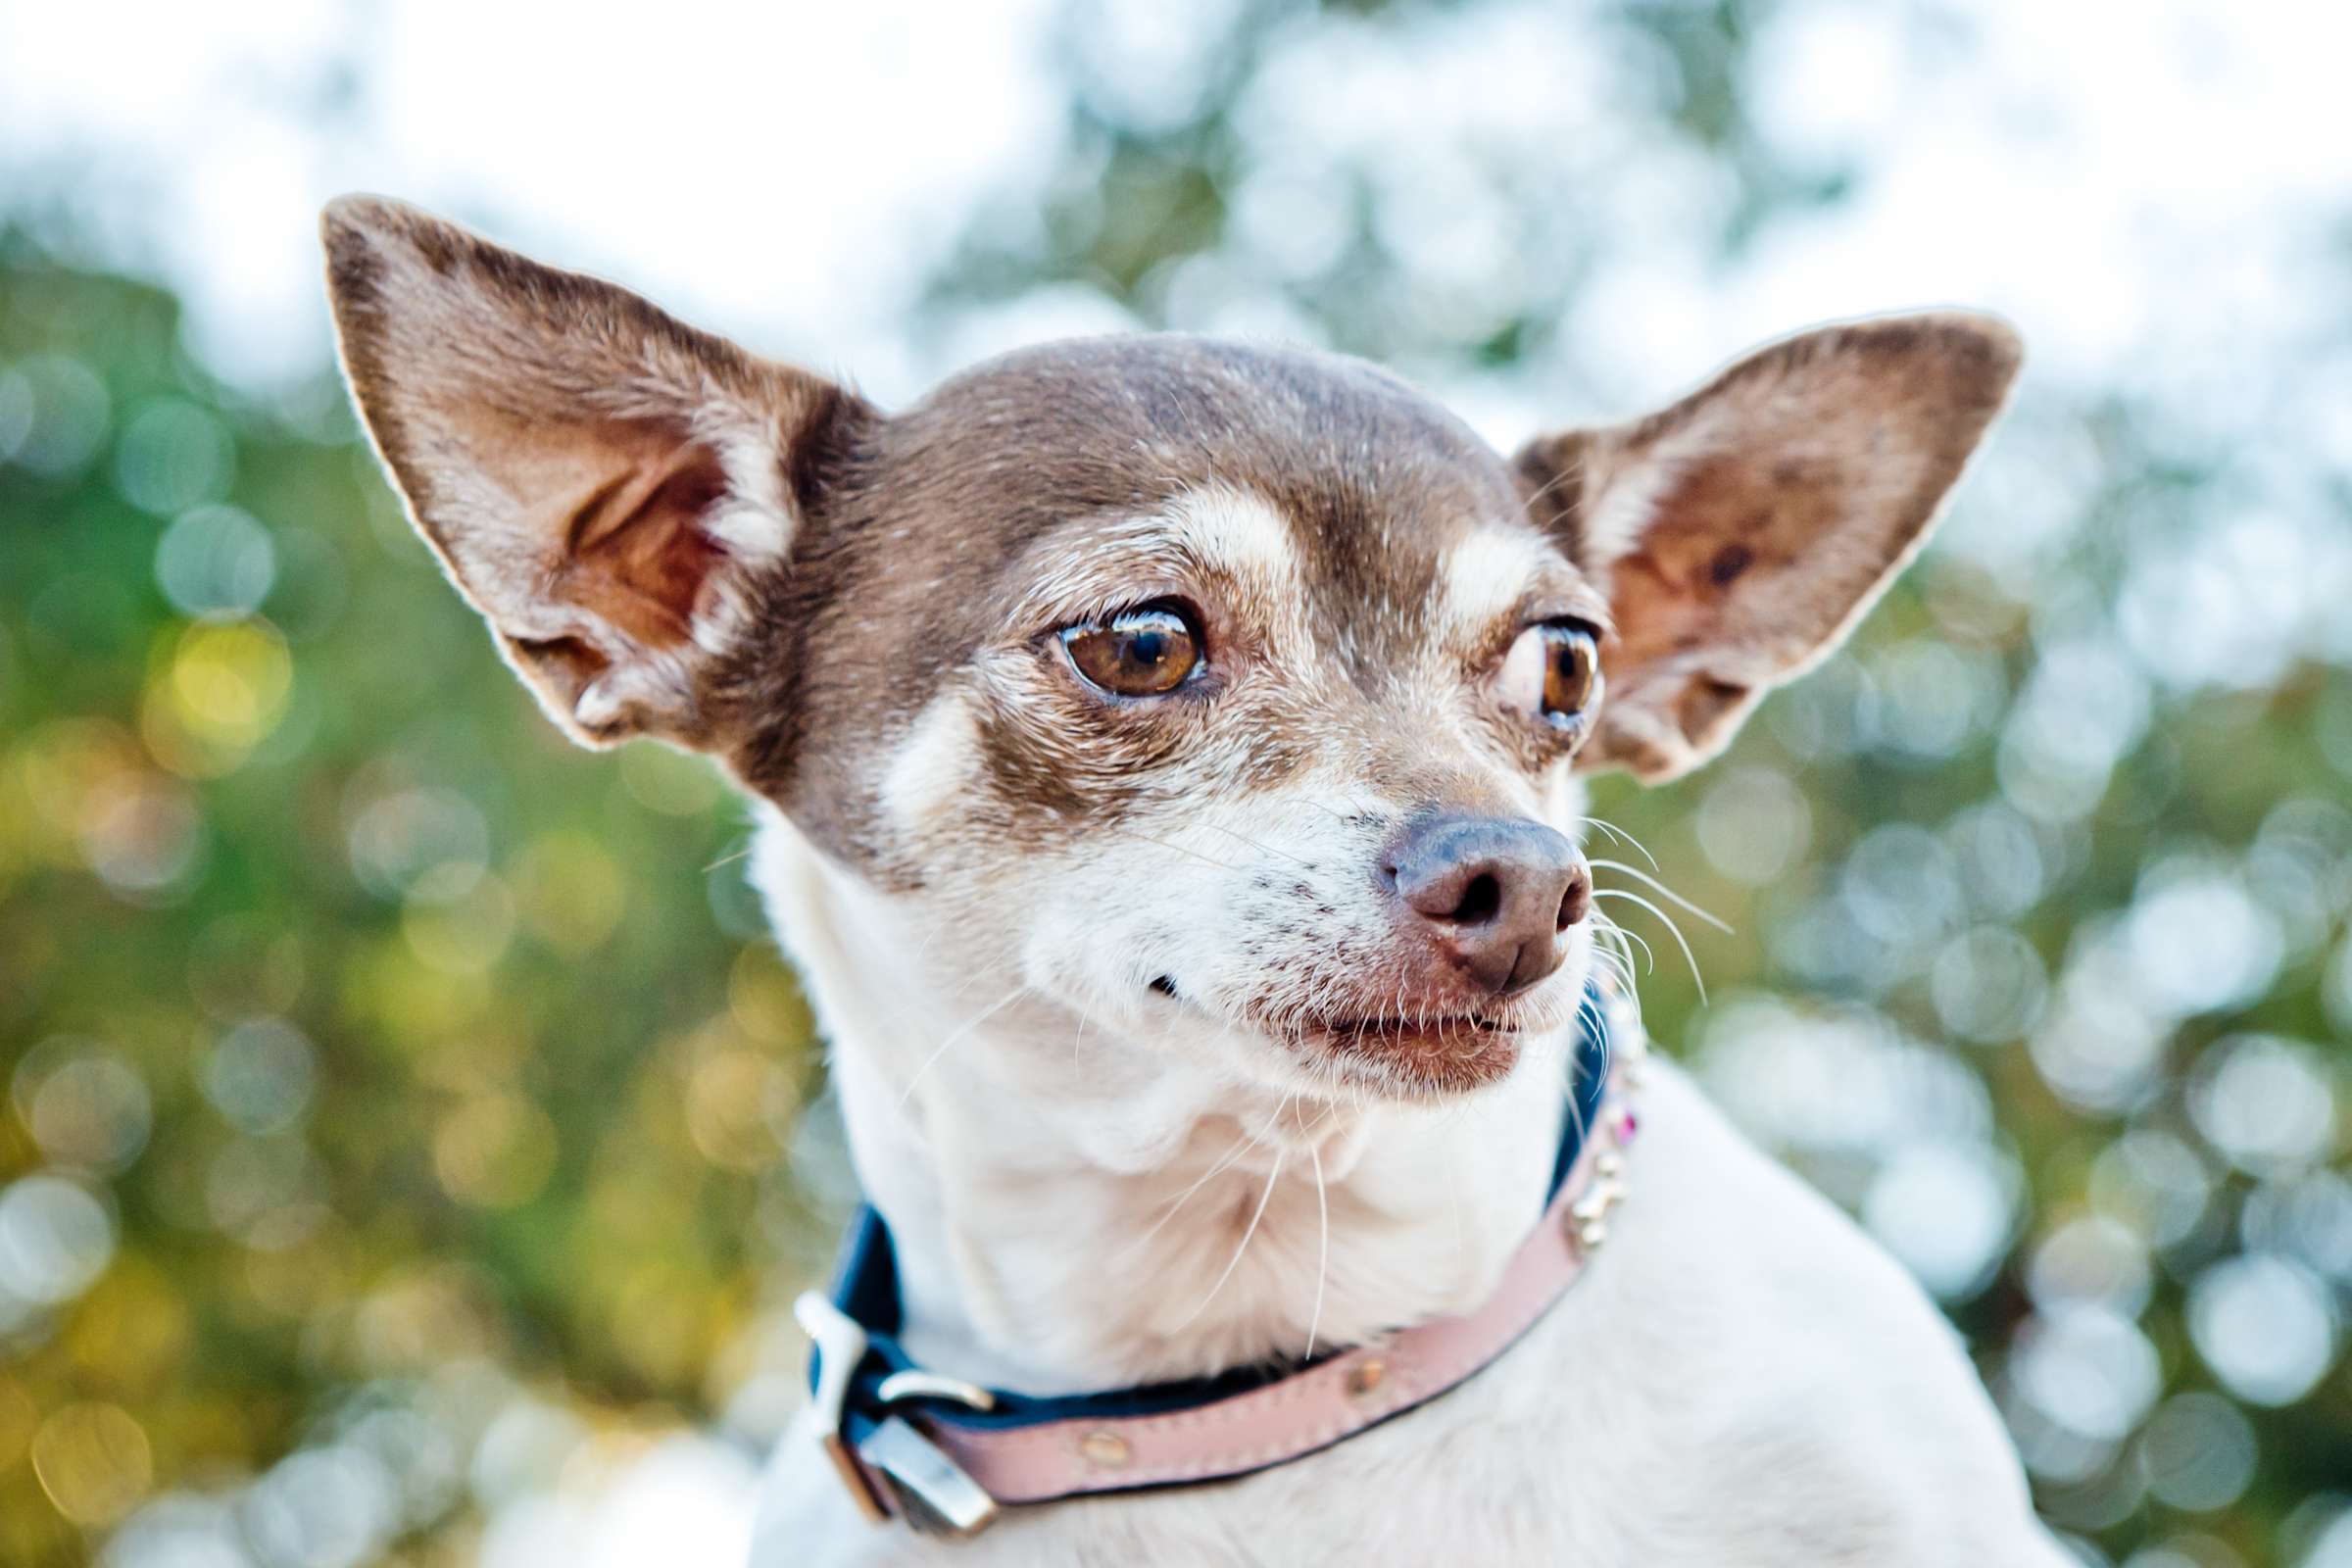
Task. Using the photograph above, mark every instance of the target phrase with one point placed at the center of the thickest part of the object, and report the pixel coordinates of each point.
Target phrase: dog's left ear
(1741, 533)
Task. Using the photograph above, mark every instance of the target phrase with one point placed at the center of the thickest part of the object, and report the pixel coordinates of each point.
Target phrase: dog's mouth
(1376, 1034)
(1419, 1054)
(1427, 1052)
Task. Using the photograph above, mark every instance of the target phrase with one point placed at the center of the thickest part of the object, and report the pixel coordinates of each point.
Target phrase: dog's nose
(1501, 891)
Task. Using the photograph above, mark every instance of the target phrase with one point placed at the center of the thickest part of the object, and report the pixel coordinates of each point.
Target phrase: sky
(781, 169)
(2145, 187)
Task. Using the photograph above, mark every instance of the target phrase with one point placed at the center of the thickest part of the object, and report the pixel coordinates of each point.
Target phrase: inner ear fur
(1741, 533)
(605, 484)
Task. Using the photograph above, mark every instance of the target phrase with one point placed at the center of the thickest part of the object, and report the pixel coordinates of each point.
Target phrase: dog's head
(1228, 696)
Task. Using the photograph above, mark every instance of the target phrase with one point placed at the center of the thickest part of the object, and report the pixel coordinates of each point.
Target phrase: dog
(1168, 756)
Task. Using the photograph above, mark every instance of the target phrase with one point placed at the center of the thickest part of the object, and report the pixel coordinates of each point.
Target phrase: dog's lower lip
(1388, 1028)
(1413, 1054)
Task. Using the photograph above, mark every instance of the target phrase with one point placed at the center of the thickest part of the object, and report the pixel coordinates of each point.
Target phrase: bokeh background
(410, 1138)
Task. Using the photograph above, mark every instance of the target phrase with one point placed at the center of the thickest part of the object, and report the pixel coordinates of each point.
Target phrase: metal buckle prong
(934, 1492)
(840, 1347)
(914, 1383)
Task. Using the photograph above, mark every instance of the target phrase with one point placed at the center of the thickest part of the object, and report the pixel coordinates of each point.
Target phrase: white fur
(931, 767)
(1239, 531)
(1740, 1378)
(1486, 573)
(1626, 504)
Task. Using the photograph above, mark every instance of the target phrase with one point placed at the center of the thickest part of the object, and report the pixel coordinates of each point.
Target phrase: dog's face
(1229, 696)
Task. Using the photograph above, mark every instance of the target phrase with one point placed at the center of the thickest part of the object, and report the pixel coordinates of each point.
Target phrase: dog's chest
(1737, 1377)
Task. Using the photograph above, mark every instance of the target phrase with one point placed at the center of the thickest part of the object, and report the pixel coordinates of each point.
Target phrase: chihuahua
(1168, 756)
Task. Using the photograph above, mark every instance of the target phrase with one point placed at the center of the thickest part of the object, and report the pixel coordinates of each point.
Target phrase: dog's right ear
(606, 485)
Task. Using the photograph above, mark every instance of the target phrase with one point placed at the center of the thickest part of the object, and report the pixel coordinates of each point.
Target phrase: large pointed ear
(608, 486)
(1741, 533)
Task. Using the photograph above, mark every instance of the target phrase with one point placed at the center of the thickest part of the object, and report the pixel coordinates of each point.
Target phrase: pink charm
(1627, 1123)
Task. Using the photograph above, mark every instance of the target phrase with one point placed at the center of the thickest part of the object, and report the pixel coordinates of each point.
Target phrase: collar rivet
(1104, 1451)
(1366, 1376)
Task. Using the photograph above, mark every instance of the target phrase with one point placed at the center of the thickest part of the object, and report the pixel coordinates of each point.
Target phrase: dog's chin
(1410, 1058)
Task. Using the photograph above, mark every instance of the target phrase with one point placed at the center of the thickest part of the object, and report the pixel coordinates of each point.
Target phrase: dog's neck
(1069, 1215)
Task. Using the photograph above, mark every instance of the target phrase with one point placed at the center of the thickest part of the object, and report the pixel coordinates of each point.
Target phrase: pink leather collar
(946, 1456)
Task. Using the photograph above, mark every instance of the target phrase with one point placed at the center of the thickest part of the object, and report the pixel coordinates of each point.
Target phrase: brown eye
(1571, 671)
(1140, 653)
(1552, 672)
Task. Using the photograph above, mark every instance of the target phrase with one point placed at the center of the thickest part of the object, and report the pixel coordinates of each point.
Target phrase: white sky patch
(2145, 187)
(786, 173)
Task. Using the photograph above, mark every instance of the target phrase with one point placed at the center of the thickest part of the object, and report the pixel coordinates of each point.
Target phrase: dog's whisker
(1665, 892)
(1570, 471)
(1612, 940)
(1256, 1214)
(969, 1025)
(1256, 843)
(1616, 832)
(743, 854)
(1589, 1011)
(1315, 1321)
(1611, 964)
(1633, 943)
(1453, 1203)
(1672, 930)
(1205, 859)
(1612, 931)
(1249, 1142)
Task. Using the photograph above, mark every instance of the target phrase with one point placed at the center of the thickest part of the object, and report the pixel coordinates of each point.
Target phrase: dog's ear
(608, 486)
(1741, 533)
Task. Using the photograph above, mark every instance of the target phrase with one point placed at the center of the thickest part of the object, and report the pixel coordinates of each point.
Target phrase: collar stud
(1104, 1451)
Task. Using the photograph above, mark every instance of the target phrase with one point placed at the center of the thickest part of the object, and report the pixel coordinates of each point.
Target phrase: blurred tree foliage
(390, 1035)
(379, 1068)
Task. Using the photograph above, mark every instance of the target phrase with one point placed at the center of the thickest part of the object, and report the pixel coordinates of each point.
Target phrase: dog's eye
(1552, 672)
(1138, 652)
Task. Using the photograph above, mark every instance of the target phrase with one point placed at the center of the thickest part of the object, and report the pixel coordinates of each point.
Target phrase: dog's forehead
(1371, 480)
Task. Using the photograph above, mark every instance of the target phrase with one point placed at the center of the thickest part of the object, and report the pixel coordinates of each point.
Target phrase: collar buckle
(931, 1492)
(841, 1342)
(934, 1494)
